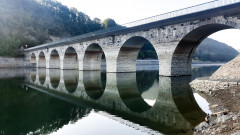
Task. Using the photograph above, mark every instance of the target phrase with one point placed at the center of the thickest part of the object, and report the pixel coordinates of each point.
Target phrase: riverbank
(222, 91)
(225, 117)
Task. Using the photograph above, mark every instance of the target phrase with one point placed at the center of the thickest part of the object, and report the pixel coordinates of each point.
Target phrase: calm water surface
(64, 102)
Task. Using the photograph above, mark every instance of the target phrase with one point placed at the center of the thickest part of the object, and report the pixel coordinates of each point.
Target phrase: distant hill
(212, 50)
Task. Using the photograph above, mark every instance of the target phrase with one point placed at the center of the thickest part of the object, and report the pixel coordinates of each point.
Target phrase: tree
(107, 23)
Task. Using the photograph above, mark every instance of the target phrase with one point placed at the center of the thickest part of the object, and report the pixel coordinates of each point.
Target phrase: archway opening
(70, 59)
(33, 60)
(54, 59)
(183, 55)
(94, 58)
(136, 51)
(42, 60)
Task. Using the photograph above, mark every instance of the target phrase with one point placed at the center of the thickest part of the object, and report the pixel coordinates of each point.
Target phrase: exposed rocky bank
(222, 91)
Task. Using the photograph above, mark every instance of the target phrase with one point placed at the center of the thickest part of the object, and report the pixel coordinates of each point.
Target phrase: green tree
(107, 23)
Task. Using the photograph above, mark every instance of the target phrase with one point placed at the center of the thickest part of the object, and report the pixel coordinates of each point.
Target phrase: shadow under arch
(42, 60)
(71, 78)
(70, 59)
(54, 59)
(42, 76)
(131, 89)
(93, 57)
(54, 75)
(127, 56)
(94, 83)
(33, 60)
(182, 56)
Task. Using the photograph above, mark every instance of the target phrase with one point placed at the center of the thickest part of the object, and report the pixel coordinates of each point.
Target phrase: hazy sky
(130, 10)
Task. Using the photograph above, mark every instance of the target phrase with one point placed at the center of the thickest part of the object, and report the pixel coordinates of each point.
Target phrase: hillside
(35, 22)
(212, 50)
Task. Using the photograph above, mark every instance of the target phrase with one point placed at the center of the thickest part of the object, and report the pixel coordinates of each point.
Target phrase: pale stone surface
(229, 71)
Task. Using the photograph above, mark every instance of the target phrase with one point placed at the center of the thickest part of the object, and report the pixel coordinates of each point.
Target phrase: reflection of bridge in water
(165, 104)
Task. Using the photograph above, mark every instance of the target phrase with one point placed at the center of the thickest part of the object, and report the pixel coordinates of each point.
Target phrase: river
(60, 102)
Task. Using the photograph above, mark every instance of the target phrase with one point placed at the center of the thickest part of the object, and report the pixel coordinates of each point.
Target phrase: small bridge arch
(70, 60)
(93, 57)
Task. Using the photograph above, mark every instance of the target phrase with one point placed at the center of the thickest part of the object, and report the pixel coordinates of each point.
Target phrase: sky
(125, 11)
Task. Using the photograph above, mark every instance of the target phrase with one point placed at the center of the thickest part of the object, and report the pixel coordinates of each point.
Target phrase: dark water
(73, 102)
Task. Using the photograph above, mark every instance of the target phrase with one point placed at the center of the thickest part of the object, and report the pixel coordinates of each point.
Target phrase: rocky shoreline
(222, 91)
(225, 117)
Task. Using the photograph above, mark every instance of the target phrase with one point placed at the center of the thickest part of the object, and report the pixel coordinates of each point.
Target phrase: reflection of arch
(94, 83)
(33, 60)
(148, 76)
(182, 56)
(130, 93)
(42, 75)
(33, 76)
(70, 59)
(71, 78)
(54, 59)
(126, 61)
(42, 60)
(54, 75)
(184, 100)
(92, 57)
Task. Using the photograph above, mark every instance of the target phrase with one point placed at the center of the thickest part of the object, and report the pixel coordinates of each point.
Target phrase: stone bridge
(165, 104)
(174, 35)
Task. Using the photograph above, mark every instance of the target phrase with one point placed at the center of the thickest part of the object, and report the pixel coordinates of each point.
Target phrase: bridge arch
(182, 55)
(33, 60)
(70, 59)
(54, 59)
(93, 57)
(128, 53)
(42, 60)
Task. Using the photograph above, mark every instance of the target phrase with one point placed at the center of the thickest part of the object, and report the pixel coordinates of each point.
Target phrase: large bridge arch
(70, 60)
(54, 59)
(182, 55)
(93, 57)
(128, 53)
(42, 60)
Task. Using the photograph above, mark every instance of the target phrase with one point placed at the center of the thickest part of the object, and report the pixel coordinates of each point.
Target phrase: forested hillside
(34, 22)
(212, 50)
